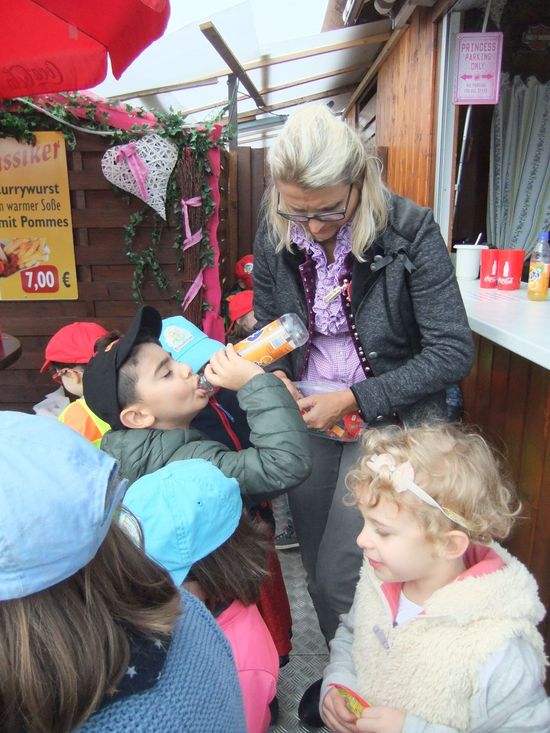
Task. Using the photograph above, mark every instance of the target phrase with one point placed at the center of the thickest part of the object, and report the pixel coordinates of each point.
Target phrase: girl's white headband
(402, 478)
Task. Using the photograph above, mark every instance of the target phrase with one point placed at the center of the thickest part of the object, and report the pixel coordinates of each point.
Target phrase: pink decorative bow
(401, 476)
(137, 165)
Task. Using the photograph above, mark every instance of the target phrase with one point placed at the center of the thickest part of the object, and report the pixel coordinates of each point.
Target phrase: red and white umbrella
(62, 45)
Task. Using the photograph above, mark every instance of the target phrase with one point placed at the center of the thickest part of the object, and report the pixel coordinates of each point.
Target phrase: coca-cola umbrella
(62, 45)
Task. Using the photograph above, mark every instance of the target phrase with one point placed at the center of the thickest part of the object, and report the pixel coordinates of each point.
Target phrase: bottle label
(266, 345)
(538, 278)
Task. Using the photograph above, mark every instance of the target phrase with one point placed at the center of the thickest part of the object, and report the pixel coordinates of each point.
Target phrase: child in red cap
(244, 271)
(67, 353)
(242, 320)
(244, 275)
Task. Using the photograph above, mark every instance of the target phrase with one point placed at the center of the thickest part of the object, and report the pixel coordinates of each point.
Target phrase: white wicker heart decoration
(142, 168)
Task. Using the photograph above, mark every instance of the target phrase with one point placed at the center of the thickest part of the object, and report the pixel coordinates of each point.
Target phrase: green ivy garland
(20, 120)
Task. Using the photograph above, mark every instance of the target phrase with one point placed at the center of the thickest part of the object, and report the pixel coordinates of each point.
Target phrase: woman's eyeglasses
(323, 216)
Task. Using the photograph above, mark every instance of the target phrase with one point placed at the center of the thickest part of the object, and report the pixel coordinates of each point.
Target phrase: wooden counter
(508, 395)
(509, 319)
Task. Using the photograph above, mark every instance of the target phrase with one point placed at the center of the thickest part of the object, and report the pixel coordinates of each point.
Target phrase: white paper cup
(467, 260)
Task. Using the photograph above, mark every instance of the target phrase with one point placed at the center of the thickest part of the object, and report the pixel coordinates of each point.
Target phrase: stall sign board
(477, 68)
(36, 236)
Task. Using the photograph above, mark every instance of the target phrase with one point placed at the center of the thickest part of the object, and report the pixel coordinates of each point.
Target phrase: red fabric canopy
(62, 45)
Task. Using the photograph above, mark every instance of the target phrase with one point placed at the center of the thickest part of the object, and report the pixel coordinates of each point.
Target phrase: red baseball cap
(239, 305)
(244, 270)
(73, 344)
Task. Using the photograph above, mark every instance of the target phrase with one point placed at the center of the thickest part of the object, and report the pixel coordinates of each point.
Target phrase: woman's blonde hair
(453, 465)
(316, 149)
(63, 649)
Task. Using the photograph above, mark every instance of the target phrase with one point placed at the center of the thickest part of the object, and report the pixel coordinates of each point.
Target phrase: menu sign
(36, 236)
(477, 68)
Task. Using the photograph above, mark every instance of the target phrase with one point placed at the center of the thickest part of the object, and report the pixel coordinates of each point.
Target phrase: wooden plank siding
(229, 226)
(251, 173)
(508, 397)
(104, 273)
(406, 110)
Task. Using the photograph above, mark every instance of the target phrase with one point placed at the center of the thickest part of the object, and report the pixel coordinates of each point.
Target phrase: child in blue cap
(150, 399)
(190, 518)
(94, 636)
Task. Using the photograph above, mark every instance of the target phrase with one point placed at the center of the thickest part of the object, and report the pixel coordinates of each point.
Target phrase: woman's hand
(227, 369)
(381, 720)
(336, 715)
(322, 411)
(288, 384)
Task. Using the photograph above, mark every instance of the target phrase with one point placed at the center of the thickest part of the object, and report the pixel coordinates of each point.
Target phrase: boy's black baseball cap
(101, 372)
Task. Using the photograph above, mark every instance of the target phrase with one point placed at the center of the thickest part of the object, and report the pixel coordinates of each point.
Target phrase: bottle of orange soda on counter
(539, 269)
(271, 342)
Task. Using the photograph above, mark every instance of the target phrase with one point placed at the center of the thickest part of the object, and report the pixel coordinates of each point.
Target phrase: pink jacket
(256, 660)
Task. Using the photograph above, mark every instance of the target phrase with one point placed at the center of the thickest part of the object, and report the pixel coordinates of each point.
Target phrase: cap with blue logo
(58, 493)
(185, 510)
(186, 343)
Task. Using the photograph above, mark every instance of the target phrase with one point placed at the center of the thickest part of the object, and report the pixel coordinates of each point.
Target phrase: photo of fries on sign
(36, 238)
(20, 253)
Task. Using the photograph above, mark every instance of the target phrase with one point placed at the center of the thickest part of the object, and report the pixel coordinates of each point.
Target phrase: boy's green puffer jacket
(279, 460)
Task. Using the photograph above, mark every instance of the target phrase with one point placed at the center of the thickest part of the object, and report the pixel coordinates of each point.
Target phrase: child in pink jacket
(189, 518)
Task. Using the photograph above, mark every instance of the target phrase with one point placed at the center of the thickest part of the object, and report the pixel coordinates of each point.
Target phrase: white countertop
(509, 319)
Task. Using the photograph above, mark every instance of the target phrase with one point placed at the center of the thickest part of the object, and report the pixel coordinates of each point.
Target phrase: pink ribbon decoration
(190, 239)
(212, 322)
(137, 165)
(196, 285)
(209, 278)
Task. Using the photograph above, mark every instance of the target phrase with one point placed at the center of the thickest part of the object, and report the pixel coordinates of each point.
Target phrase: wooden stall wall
(406, 109)
(509, 398)
(242, 182)
(251, 174)
(104, 275)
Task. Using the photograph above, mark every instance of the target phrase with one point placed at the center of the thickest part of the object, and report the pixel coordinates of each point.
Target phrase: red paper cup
(489, 268)
(510, 265)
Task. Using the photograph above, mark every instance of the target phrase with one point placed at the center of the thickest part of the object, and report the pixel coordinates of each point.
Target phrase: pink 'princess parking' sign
(477, 68)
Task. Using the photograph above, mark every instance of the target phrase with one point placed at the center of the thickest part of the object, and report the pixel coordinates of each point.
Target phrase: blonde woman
(94, 636)
(369, 272)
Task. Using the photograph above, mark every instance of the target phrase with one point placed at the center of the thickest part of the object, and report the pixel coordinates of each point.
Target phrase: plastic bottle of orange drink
(278, 338)
(539, 269)
(271, 342)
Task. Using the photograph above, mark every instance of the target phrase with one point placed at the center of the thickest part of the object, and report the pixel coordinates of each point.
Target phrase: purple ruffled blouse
(333, 356)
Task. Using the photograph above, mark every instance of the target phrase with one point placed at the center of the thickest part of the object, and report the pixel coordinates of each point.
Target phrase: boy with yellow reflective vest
(67, 353)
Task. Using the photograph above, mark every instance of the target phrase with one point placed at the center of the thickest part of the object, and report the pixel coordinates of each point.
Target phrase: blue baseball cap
(58, 493)
(187, 343)
(185, 510)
